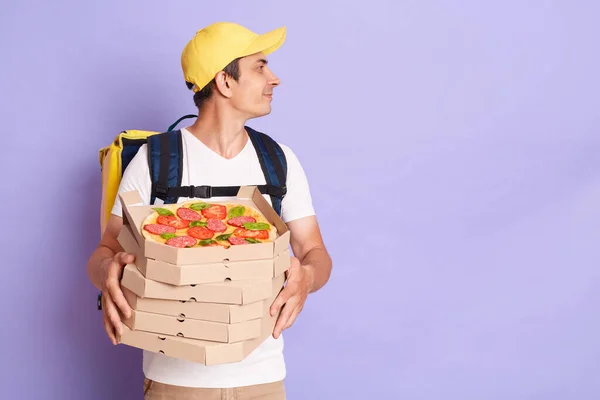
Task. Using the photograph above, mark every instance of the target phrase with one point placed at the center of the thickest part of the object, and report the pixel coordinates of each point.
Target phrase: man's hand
(292, 297)
(113, 299)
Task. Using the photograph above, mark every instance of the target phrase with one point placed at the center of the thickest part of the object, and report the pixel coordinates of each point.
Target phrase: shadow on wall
(112, 370)
(132, 100)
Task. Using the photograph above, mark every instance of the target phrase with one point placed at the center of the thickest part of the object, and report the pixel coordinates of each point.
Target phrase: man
(225, 65)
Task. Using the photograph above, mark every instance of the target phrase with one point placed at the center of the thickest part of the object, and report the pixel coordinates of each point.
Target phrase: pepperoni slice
(200, 232)
(216, 225)
(216, 211)
(173, 221)
(188, 214)
(158, 229)
(181, 241)
(237, 240)
(246, 233)
(240, 221)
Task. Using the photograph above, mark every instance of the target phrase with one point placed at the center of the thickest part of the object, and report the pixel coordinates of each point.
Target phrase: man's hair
(232, 69)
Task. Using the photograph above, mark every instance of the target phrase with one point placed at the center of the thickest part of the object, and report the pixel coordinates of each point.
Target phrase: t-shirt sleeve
(298, 201)
(135, 177)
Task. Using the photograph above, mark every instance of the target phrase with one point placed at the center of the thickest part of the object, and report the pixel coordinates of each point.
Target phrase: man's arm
(310, 270)
(107, 248)
(104, 268)
(105, 265)
(308, 246)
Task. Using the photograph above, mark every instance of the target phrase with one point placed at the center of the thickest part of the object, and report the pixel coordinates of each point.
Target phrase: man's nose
(275, 81)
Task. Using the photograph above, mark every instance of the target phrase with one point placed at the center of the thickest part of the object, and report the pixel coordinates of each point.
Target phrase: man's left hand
(292, 297)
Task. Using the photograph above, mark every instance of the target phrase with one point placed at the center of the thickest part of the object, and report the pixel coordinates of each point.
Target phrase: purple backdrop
(470, 130)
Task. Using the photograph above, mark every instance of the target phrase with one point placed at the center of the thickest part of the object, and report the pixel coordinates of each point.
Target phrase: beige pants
(159, 391)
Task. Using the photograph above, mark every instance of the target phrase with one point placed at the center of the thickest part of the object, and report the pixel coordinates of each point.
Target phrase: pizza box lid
(201, 273)
(228, 292)
(217, 312)
(196, 350)
(134, 213)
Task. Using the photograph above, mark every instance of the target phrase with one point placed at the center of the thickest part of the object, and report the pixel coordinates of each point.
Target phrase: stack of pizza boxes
(206, 304)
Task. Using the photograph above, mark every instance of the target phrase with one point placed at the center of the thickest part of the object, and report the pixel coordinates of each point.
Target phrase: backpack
(165, 161)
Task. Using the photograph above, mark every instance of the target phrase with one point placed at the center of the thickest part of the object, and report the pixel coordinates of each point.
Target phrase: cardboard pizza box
(228, 292)
(195, 350)
(173, 274)
(185, 326)
(134, 214)
(194, 328)
(204, 351)
(216, 312)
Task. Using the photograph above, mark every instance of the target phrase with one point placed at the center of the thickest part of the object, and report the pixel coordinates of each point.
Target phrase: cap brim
(267, 42)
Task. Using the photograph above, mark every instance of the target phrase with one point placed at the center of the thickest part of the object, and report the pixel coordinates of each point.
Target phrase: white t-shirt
(202, 166)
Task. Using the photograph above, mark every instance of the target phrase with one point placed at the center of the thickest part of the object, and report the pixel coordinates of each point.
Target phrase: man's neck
(223, 134)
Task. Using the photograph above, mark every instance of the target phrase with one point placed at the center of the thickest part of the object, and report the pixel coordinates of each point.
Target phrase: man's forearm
(319, 261)
(95, 266)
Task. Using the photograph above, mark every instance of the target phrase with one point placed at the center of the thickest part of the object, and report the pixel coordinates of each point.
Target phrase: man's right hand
(113, 299)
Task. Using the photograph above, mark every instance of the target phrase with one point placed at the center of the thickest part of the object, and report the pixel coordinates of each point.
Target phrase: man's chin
(263, 112)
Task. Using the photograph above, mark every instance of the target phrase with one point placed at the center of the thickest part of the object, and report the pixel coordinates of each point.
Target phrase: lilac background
(479, 120)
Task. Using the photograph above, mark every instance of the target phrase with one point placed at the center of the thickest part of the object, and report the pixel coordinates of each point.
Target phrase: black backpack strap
(274, 165)
(206, 192)
(165, 160)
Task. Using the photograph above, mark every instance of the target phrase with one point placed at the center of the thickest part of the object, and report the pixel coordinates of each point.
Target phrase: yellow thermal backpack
(166, 175)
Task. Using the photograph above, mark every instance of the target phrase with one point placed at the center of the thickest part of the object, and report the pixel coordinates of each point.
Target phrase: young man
(225, 65)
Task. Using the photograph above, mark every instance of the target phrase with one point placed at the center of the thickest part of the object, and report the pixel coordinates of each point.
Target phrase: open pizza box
(183, 325)
(135, 213)
(204, 351)
(173, 274)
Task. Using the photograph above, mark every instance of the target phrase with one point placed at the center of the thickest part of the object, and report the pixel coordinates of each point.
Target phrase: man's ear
(222, 84)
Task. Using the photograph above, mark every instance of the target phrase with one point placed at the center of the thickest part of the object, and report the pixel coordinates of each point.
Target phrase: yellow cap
(215, 46)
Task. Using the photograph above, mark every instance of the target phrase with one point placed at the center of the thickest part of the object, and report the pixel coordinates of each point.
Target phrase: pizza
(201, 224)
